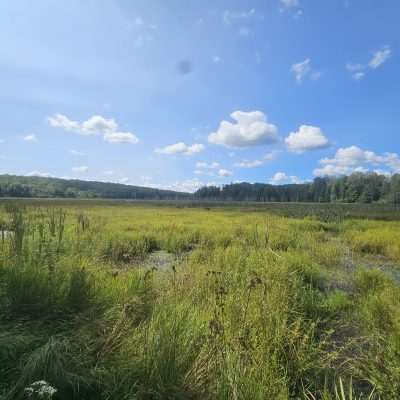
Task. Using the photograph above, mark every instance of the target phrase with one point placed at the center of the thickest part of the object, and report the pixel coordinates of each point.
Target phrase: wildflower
(40, 390)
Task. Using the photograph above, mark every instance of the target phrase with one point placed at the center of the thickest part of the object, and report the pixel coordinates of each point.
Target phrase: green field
(128, 300)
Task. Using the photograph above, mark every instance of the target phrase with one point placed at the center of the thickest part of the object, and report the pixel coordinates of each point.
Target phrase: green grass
(256, 305)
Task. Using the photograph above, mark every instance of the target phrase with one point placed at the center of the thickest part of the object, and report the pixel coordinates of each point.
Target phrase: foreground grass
(255, 306)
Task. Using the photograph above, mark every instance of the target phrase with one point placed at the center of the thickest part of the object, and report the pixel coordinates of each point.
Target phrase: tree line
(22, 186)
(357, 187)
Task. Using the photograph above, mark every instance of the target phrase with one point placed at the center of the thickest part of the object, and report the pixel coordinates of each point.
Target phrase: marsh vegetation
(138, 301)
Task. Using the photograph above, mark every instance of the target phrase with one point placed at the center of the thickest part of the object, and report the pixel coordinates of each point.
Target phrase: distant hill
(34, 186)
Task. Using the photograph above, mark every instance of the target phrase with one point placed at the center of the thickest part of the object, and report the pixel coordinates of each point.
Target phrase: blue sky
(180, 94)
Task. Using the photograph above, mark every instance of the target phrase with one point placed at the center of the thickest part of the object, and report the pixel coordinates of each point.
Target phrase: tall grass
(255, 307)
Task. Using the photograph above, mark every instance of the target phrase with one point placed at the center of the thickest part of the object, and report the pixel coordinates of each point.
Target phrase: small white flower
(42, 390)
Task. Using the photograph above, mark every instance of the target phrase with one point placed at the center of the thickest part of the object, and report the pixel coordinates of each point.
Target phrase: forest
(356, 188)
(35, 186)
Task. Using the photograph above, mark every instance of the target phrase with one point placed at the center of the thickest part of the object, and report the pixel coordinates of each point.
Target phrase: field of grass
(124, 301)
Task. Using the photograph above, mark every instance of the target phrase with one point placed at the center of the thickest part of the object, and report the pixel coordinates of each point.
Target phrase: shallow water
(160, 259)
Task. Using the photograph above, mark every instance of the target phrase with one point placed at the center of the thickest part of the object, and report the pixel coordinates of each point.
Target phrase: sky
(181, 94)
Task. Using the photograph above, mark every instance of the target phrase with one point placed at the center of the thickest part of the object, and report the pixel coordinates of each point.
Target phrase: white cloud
(354, 67)
(392, 160)
(357, 71)
(383, 172)
(306, 138)
(181, 148)
(332, 170)
(303, 69)
(95, 125)
(189, 185)
(212, 165)
(63, 122)
(80, 169)
(298, 14)
(217, 59)
(290, 3)
(250, 129)
(39, 173)
(358, 75)
(249, 164)
(30, 138)
(203, 168)
(98, 124)
(351, 159)
(120, 137)
(224, 173)
(255, 163)
(281, 178)
(380, 57)
(230, 17)
(351, 156)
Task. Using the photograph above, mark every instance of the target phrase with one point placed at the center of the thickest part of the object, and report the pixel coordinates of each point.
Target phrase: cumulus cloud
(30, 138)
(303, 69)
(281, 178)
(80, 169)
(380, 57)
(95, 125)
(224, 173)
(181, 148)
(306, 138)
(250, 129)
(63, 122)
(351, 159)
